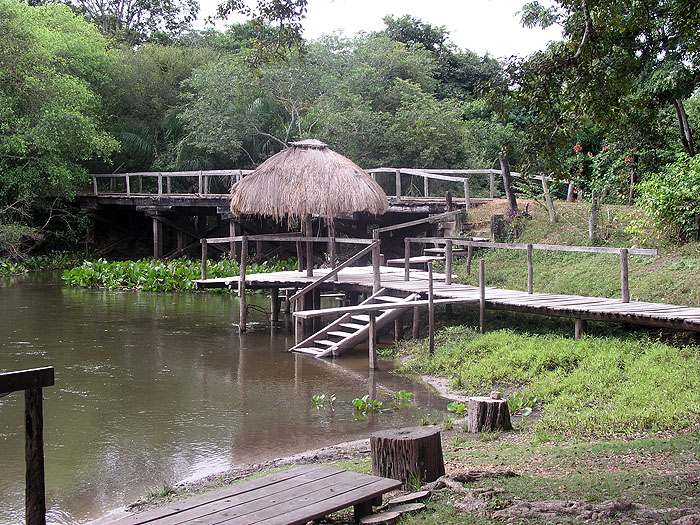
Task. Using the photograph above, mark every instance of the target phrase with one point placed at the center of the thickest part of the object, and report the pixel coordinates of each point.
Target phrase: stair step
(309, 351)
(340, 334)
(390, 299)
(326, 342)
(360, 317)
(353, 326)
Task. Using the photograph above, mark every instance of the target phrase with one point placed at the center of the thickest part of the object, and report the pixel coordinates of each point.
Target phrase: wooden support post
(128, 186)
(309, 247)
(242, 304)
(482, 298)
(467, 197)
(332, 250)
(580, 327)
(232, 232)
(157, 238)
(448, 262)
(529, 268)
(470, 254)
(624, 276)
(258, 250)
(409, 455)
(140, 179)
(398, 328)
(35, 502)
(206, 184)
(160, 184)
(180, 237)
(275, 304)
(94, 185)
(415, 332)
(372, 343)
(199, 183)
(167, 185)
(205, 256)
(406, 259)
(376, 268)
(300, 257)
(398, 183)
(426, 189)
(492, 185)
(431, 310)
(570, 193)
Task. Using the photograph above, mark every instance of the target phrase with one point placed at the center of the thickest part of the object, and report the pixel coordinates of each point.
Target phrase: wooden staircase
(349, 330)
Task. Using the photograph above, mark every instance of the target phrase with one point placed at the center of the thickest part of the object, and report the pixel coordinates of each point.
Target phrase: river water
(156, 388)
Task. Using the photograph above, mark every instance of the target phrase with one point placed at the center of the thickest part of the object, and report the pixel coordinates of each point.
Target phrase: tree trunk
(411, 455)
(487, 414)
(548, 200)
(633, 180)
(508, 183)
(686, 138)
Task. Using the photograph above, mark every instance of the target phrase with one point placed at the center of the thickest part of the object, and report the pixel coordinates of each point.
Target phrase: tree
(132, 21)
(53, 67)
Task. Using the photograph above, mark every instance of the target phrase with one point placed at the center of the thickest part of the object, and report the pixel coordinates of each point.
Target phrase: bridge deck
(554, 305)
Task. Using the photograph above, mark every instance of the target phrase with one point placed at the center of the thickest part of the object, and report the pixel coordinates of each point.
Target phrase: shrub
(671, 200)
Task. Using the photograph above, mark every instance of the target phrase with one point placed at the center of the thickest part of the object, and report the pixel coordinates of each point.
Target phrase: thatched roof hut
(307, 178)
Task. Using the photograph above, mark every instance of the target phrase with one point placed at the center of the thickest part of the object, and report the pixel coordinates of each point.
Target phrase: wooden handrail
(334, 272)
(290, 237)
(309, 314)
(32, 381)
(432, 218)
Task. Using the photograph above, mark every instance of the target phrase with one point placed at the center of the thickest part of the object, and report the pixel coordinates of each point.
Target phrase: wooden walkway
(291, 497)
(554, 305)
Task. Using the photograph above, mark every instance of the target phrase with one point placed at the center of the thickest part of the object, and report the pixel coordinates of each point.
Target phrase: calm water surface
(157, 388)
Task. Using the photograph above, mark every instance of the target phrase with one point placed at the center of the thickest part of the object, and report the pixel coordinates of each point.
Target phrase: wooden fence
(202, 177)
(32, 382)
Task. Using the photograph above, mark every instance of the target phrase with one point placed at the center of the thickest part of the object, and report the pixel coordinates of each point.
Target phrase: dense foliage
(160, 276)
(671, 198)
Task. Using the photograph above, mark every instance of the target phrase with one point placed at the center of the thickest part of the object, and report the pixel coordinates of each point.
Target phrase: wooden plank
(265, 501)
(35, 498)
(25, 379)
(218, 495)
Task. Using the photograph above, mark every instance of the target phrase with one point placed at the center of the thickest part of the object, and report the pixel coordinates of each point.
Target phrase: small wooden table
(294, 496)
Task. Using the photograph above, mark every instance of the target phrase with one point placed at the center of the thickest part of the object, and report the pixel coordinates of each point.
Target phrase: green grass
(593, 386)
(672, 277)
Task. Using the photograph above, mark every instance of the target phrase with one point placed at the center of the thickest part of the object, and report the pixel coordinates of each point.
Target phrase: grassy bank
(160, 276)
(672, 277)
(593, 386)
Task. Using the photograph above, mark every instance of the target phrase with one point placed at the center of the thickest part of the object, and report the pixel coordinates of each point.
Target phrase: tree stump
(488, 414)
(411, 455)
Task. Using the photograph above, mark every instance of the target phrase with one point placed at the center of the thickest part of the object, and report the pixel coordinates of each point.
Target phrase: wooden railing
(202, 177)
(32, 381)
(449, 243)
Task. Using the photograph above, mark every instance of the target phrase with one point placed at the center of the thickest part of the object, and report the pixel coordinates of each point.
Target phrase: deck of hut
(579, 308)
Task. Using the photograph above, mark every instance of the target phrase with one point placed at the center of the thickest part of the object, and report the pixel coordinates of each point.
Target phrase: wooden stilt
(232, 227)
(398, 329)
(470, 254)
(157, 238)
(416, 323)
(242, 304)
(529, 268)
(372, 343)
(580, 327)
(482, 298)
(205, 256)
(309, 248)
(275, 304)
(35, 502)
(624, 278)
(431, 310)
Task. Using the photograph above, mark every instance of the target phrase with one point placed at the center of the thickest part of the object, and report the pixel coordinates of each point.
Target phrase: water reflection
(154, 388)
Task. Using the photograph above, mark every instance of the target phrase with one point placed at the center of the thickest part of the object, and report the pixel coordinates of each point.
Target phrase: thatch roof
(307, 178)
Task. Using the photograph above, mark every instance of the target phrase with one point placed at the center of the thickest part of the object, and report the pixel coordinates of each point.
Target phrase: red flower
(606, 148)
(627, 159)
(578, 148)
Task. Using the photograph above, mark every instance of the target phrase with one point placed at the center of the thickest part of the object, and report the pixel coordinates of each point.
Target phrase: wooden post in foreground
(482, 298)
(309, 247)
(300, 256)
(415, 331)
(204, 258)
(376, 267)
(275, 304)
(470, 254)
(35, 500)
(448, 261)
(529, 268)
(410, 455)
(431, 311)
(624, 276)
(406, 259)
(488, 414)
(242, 304)
(580, 327)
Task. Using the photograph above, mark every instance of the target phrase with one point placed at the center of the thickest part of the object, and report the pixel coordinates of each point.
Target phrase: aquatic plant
(160, 276)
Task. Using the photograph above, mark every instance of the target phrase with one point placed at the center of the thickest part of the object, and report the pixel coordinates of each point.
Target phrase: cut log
(388, 518)
(409, 498)
(488, 415)
(408, 507)
(411, 455)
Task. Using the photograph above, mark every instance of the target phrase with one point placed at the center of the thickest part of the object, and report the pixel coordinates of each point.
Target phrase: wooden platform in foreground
(554, 305)
(287, 498)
